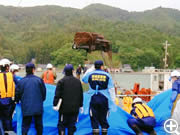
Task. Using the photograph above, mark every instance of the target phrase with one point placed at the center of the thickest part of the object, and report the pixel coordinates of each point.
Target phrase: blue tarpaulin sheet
(117, 118)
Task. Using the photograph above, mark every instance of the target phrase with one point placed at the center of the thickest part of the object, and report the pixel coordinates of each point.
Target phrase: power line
(19, 3)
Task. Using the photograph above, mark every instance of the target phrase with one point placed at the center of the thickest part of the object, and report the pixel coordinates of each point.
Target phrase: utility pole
(166, 54)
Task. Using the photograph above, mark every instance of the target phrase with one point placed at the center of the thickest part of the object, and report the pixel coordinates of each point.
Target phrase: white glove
(57, 107)
(112, 94)
(81, 109)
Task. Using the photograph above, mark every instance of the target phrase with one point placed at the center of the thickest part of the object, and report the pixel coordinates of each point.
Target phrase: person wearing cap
(78, 71)
(101, 89)
(49, 75)
(106, 69)
(68, 100)
(144, 118)
(31, 91)
(7, 94)
(175, 78)
(85, 68)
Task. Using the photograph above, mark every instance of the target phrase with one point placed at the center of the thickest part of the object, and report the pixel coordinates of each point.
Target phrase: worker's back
(72, 94)
(31, 92)
(7, 85)
(143, 111)
(48, 77)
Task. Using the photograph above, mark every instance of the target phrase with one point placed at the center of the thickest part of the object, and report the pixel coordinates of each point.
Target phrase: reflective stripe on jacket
(7, 86)
(143, 110)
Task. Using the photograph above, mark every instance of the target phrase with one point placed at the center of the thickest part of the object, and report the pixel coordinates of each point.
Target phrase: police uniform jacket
(98, 78)
(69, 89)
(31, 91)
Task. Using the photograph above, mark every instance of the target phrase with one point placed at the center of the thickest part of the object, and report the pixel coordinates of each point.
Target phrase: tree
(67, 55)
(177, 61)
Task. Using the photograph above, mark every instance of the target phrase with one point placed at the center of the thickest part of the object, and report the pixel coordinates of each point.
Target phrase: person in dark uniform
(31, 91)
(68, 100)
(101, 85)
(78, 71)
(85, 68)
(7, 94)
(144, 118)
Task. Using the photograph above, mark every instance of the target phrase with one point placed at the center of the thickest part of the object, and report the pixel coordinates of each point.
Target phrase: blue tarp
(117, 118)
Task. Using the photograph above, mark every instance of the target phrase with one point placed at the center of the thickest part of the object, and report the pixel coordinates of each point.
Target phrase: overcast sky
(130, 5)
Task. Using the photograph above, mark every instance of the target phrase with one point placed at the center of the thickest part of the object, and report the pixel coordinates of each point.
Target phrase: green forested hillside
(46, 33)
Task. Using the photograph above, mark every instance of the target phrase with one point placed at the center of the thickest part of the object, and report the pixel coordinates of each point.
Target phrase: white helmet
(175, 73)
(49, 66)
(5, 62)
(14, 67)
(136, 100)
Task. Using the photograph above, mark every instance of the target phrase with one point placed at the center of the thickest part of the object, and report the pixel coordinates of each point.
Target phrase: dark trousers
(13, 106)
(27, 122)
(6, 116)
(145, 124)
(99, 111)
(67, 121)
(1, 128)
